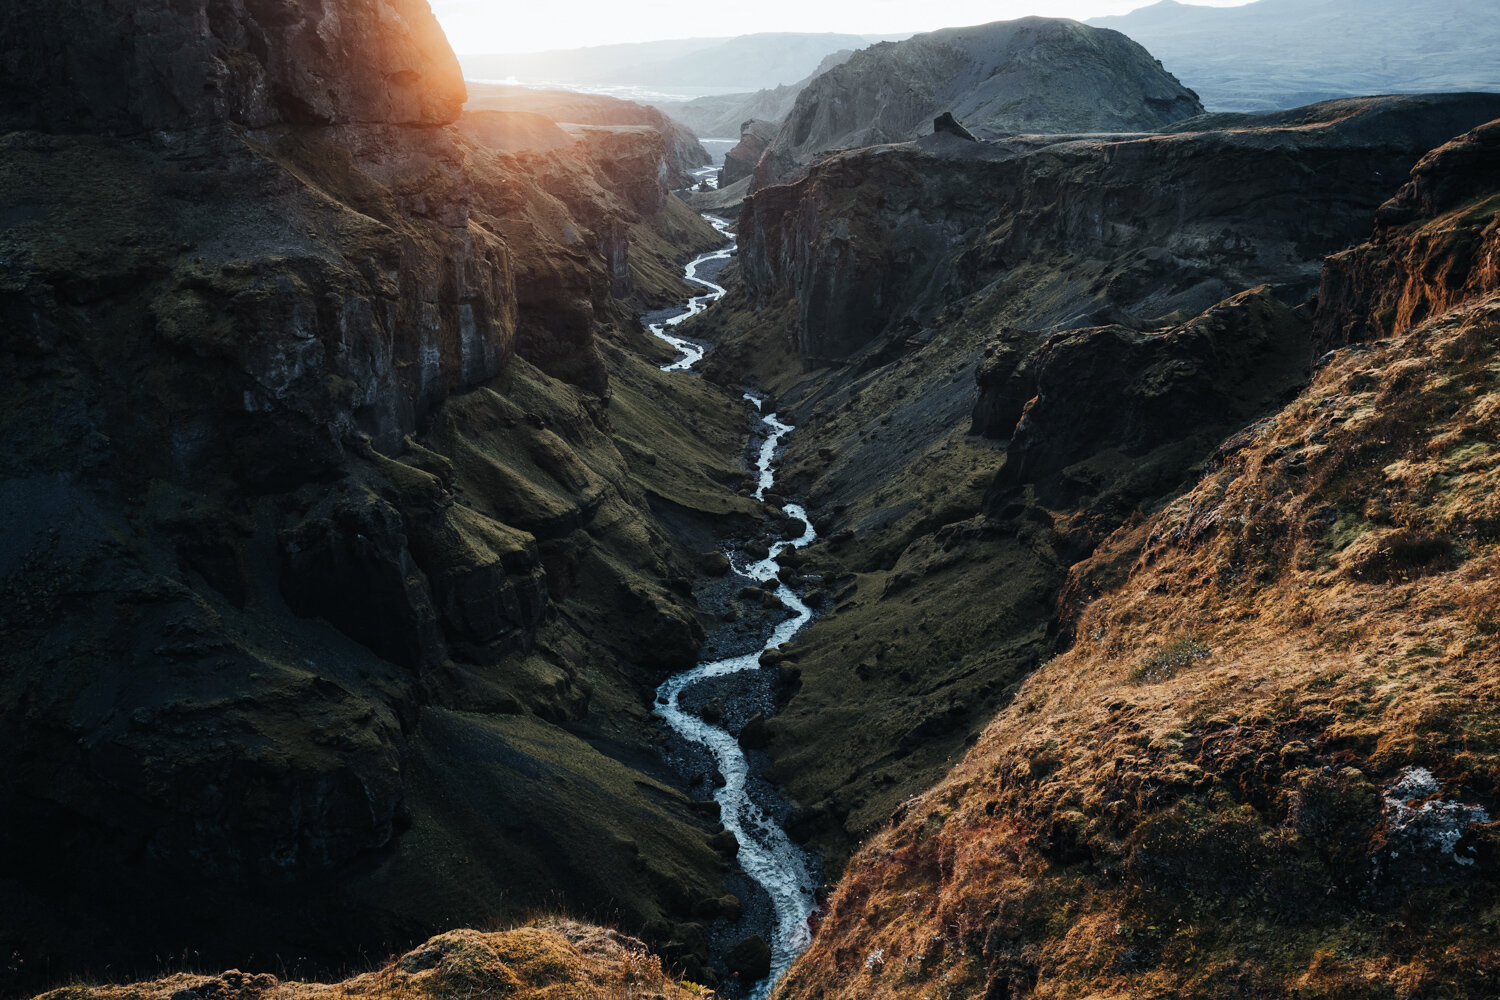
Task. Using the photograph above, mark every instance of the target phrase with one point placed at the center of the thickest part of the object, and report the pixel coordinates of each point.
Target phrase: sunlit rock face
(119, 67)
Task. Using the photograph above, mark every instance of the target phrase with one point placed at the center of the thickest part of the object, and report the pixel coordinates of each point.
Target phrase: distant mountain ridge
(1283, 53)
(744, 63)
(722, 115)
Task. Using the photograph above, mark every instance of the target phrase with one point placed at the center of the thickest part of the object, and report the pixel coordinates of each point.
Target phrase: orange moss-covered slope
(547, 961)
(1268, 764)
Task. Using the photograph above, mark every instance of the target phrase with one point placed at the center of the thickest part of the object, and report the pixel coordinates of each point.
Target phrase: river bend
(766, 853)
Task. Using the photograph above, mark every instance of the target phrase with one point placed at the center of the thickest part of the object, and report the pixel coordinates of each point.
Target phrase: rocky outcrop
(871, 239)
(945, 122)
(568, 107)
(1028, 75)
(739, 162)
(1435, 244)
(527, 962)
(1173, 394)
(120, 67)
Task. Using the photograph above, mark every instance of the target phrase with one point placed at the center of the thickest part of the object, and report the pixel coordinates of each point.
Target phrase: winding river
(766, 853)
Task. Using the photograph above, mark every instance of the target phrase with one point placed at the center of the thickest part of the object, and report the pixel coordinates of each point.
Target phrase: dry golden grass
(556, 960)
(1189, 802)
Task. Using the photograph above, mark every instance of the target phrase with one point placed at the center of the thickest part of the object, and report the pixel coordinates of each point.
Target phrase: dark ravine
(777, 866)
(881, 289)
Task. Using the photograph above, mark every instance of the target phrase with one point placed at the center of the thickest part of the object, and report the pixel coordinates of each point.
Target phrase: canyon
(359, 536)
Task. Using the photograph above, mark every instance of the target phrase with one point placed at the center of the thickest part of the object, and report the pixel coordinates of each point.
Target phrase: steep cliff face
(1029, 75)
(1147, 226)
(1411, 268)
(316, 527)
(120, 67)
(1273, 741)
(755, 135)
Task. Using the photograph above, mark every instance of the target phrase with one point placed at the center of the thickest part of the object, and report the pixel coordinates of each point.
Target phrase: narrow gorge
(1035, 537)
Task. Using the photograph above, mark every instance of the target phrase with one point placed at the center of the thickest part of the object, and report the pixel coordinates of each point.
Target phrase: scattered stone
(813, 598)
(714, 563)
(751, 594)
(803, 822)
(712, 710)
(757, 548)
(771, 601)
(750, 959)
(755, 735)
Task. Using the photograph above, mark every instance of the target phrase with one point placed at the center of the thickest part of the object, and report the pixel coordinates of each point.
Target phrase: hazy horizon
(476, 27)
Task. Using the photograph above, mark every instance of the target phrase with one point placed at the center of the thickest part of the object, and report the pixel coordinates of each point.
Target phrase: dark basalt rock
(1179, 390)
(869, 239)
(945, 122)
(750, 959)
(262, 533)
(739, 162)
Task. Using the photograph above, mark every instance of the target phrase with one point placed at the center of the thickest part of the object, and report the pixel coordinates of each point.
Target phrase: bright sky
(533, 25)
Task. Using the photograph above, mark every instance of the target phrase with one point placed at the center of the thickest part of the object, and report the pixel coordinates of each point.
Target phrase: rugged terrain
(1266, 763)
(999, 353)
(545, 960)
(1279, 53)
(335, 474)
(349, 523)
(1033, 74)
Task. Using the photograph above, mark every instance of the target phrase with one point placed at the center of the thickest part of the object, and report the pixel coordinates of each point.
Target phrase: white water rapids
(766, 853)
(693, 353)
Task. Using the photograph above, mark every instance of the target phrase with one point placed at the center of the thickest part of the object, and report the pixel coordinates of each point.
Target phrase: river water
(766, 853)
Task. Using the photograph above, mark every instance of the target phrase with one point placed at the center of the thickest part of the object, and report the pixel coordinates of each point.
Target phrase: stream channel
(767, 855)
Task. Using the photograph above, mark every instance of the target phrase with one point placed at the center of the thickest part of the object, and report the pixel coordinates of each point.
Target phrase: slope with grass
(1265, 763)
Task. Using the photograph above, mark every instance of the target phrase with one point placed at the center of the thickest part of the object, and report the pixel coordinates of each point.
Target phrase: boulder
(945, 122)
(750, 959)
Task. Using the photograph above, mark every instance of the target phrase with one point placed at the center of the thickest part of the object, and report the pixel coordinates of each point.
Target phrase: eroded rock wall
(316, 529)
(1412, 268)
(119, 67)
(1152, 225)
